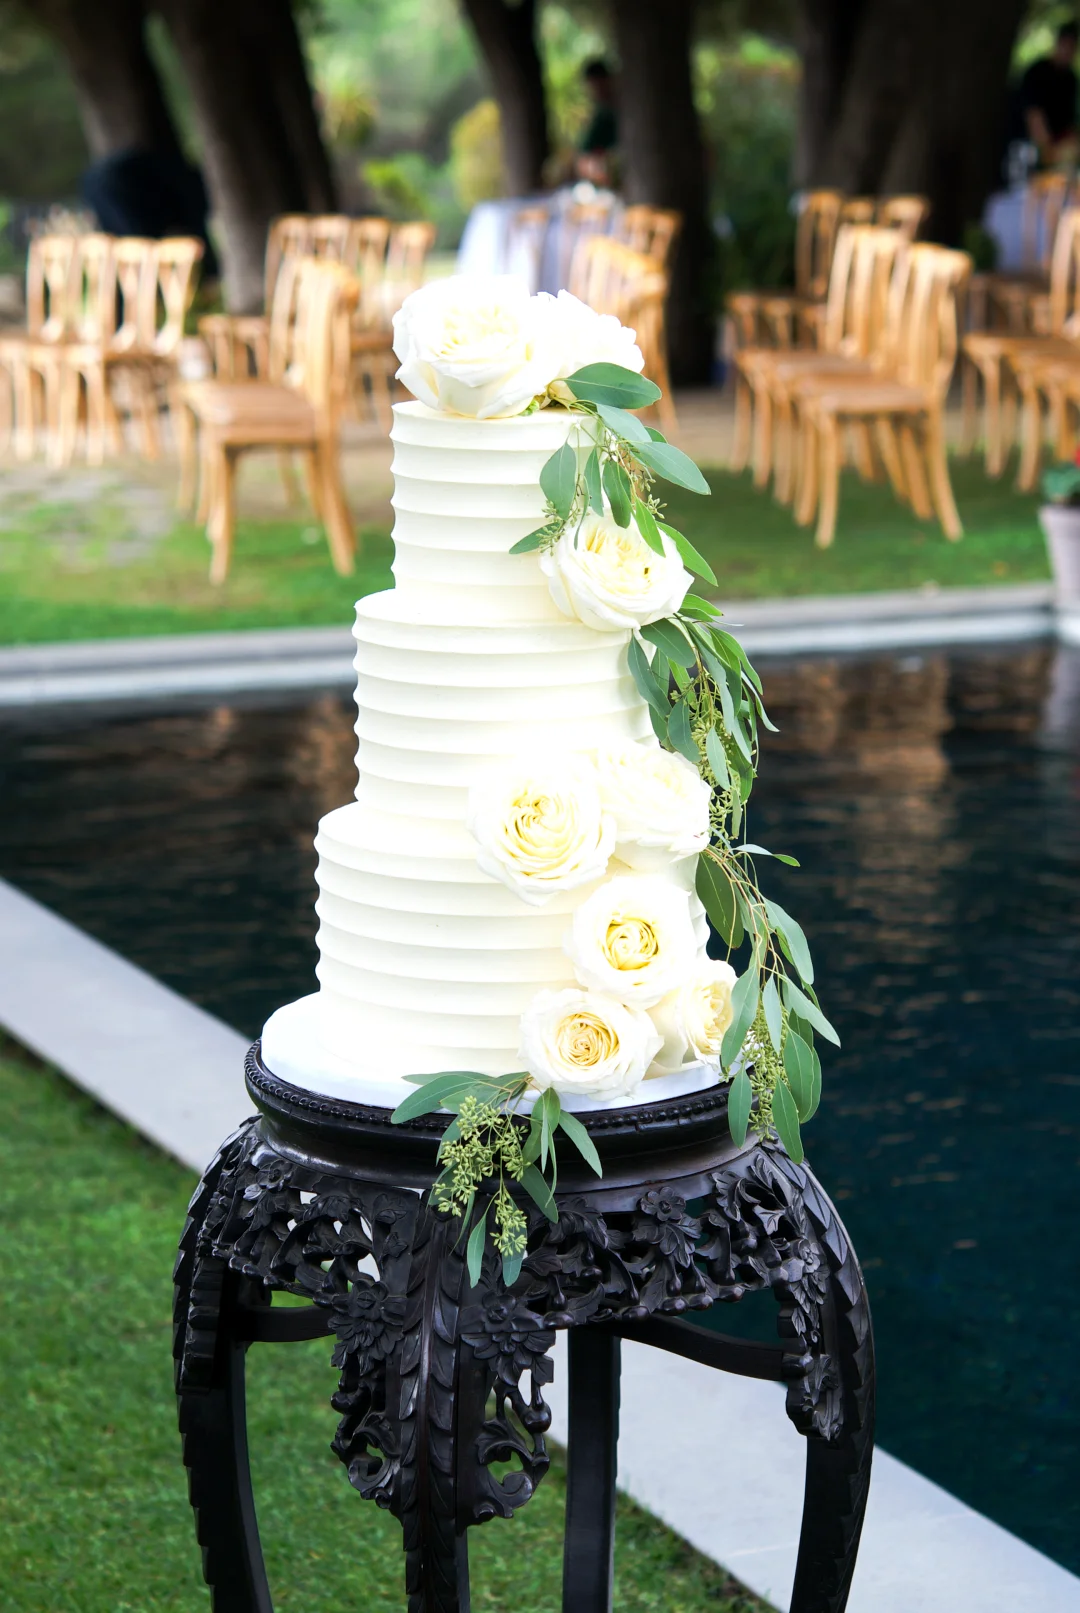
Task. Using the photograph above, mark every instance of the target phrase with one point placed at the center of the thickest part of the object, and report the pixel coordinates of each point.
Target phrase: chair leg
(940, 485)
(94, 382)
(335, 512)
(829, 439)
(187, 449)
(287, 471)
(1058, 413)
(865, 463)
(969, 383)
(915, 474)
(889, 450)
(740, 446)
(807, 492)
(222, 522)
(763, 438)
(1031, 430)
(783, 450)
(995, 452)
(313, 477)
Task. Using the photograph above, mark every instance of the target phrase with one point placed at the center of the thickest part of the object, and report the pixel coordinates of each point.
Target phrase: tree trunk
(252, 102)
(507, 37)
(896, 99)
(119, 93)
(663, 157)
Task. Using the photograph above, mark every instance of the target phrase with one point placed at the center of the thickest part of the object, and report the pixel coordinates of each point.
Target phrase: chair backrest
(923, 336)
(855, 309)
(1044, 201)
(329, 236)
(287, 236)
(525, 237)
(176, 258)
(1065, 275)
(281, 338)
(403, 272)
(906, 214)
(651, 231)
(365, 256)
(815, 238)
(135, 265)
(326, 294)
(858, 210)
(92, 316)
(50, 271)
(614, 279)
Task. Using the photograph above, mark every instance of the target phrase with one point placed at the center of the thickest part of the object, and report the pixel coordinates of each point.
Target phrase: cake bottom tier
(294, 1049)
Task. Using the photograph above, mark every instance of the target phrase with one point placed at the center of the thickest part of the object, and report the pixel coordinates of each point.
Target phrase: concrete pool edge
(175, 1072)
(259, 659)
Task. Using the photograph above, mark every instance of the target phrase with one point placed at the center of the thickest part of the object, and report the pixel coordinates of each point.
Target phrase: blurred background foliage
(413, 130)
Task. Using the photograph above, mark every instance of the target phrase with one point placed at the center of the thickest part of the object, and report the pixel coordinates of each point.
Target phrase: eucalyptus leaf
(474, 1250)
(799, 1070)
(679, 734)
(740, 1099)
(594, 487)
(762, 851)
(539, 1191)
(659, 725)
(717, 758)
(774, 1014)
(432, 1096)
(800, 1003)
(815, 1087)
(669, 462)
(614, 385)
(672, 640)
(646, 525)
(624, 425)
(617, 487)
(550, 1109)
(534, 540)
(786, 1121)
(558, 479)
(690, 557)
(745, 996)
(792, 940)
(581, 1141)
(717, 897)
(655, 435)
(693, 605)
(511, 1268)
(645, 679)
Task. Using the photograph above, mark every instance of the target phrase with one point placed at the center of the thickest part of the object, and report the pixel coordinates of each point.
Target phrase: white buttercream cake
(426, 962)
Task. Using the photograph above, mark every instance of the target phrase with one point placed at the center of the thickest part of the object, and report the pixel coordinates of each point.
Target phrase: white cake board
(292, 1050)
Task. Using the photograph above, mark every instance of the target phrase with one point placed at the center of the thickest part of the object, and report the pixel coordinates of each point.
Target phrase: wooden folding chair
(614, 279)
(50, 280)
(373, 360)
(301, 413)
(904, 410)
(652, 231)
(905, 214)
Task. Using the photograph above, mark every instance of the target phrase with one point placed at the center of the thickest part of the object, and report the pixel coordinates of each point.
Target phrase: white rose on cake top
(633, 939)
(479, 346)
(607, 576)
(585, 1042)
(692, 1020)
(540, 825)
(582, 336)
(659, 801)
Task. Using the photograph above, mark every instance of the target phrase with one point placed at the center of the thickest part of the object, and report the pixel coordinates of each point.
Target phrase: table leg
(589, 1551)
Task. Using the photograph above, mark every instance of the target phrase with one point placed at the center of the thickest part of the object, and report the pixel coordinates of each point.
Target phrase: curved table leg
(589, 1545)
(209, 1357)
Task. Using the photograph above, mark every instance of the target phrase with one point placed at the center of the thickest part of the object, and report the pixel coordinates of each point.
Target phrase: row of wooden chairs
(99, 307)
(786, 319)
(615, 279)
(879, 381)
(1016, 300)
(387, 262)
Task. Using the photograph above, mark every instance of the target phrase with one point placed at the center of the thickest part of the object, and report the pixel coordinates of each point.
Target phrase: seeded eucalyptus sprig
(618, 457)
(488, 1145)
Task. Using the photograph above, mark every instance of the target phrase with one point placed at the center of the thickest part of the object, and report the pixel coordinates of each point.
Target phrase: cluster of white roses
(481, 346)
(646, 1000)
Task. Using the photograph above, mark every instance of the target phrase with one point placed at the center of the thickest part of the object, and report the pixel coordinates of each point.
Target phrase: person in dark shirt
(602, 133)
(1048, 95)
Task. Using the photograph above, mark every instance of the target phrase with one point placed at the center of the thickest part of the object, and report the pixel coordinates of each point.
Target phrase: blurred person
(597, 147)
(150, 193)
(1048, 97)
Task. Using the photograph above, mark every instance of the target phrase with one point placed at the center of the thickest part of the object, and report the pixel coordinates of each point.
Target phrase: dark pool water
(934, 801)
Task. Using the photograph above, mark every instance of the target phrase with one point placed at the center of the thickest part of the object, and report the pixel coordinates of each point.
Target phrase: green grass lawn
(98, 559)
(93, 1509)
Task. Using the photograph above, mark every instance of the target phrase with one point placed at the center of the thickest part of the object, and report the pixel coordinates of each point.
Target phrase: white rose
(475, 345)
(582, 1041)
(692, 1019)
(659, 801)
(582, 336)
(607, 576)
(540, 825)
(633, 938)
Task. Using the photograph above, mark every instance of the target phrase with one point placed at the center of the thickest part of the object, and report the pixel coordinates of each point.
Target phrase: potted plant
(1059, 516)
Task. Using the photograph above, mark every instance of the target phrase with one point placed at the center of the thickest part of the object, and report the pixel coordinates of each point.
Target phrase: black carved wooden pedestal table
(442, 1384)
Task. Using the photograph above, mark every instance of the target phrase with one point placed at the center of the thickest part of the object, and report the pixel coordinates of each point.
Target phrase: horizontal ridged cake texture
(426, 963)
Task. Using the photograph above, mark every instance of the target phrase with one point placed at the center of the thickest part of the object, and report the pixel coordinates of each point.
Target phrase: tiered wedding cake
(513, 886)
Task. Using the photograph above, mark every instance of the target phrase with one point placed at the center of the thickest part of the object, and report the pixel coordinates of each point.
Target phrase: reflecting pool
(934, 802)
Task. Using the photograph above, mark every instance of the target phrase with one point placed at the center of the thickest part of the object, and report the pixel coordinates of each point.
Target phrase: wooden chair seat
(866, 396)
(236, 408)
